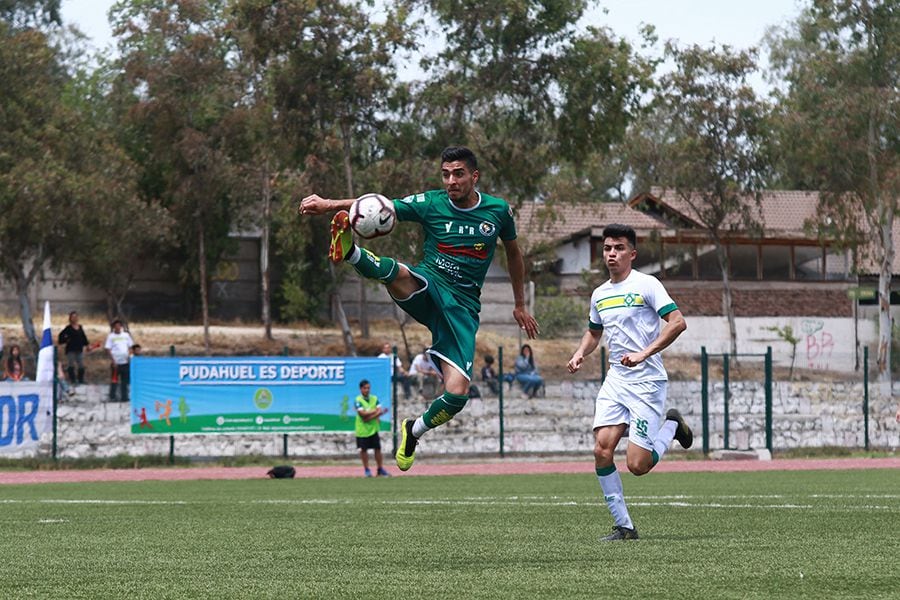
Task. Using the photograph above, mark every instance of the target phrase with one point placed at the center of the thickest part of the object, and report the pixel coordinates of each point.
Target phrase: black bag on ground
(282, 472)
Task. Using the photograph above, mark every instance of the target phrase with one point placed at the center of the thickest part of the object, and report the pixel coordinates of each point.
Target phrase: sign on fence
(252, 395)
(26, 411)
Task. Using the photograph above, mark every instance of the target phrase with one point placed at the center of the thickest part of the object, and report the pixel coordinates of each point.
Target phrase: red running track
(498, 467)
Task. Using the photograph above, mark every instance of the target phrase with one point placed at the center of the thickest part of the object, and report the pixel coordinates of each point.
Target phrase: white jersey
(629, 313)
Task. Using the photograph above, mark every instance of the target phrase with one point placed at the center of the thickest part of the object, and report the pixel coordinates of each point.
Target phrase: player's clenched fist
(575, 362)
(313, 205)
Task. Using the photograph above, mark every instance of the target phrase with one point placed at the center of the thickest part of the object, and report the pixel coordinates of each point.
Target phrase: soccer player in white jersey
(629, 307)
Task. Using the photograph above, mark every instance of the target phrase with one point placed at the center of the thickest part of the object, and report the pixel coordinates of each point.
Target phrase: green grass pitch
(815, 534)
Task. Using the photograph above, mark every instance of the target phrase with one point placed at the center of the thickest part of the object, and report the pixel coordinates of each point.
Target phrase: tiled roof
(782, 213)
(538, 223)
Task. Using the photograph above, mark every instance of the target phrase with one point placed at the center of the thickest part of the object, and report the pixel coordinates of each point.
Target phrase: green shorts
(453, 325)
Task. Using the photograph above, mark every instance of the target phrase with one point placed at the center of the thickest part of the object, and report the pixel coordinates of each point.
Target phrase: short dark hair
(488, 359)
(363, 382)
(616, 230)
(460, 153)
(119, 321)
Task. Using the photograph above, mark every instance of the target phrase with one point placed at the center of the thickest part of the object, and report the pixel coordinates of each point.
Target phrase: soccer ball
(372, 216)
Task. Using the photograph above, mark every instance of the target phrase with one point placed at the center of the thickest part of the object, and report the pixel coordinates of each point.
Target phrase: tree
(176, 64)
(706, 142)
(329, 73)
(840, 128)
(520, 84)
(41, 187)
(120, 232)
(30, 13)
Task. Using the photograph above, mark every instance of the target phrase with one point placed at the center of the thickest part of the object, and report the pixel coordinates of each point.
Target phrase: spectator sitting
(16, 373)
(526, 373)
(489, 375)
(423, 371)
(15, 356)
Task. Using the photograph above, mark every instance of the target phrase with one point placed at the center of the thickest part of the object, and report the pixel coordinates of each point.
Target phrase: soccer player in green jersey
(462, 227)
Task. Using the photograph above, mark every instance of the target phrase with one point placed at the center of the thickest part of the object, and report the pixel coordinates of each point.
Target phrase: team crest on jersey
(487, 229)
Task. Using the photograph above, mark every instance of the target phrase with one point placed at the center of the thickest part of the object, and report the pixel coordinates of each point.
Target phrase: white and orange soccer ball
(372, 216)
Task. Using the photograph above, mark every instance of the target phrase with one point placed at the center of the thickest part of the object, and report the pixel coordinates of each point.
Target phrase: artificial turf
(806, 534)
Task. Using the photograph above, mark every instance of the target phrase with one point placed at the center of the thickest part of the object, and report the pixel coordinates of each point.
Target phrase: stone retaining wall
(805, 415)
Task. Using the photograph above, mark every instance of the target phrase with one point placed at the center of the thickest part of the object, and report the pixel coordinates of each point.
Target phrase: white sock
(419, 428)
(354, 255)
(611, 485)
(664, 438)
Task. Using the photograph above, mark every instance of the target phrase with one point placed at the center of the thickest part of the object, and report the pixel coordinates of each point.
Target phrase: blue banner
(26, 411)
(252, 394)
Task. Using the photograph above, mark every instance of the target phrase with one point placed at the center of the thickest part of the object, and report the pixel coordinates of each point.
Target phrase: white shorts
(638, 403)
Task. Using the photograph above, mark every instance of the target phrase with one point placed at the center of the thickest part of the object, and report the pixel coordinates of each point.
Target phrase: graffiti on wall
(819, 344)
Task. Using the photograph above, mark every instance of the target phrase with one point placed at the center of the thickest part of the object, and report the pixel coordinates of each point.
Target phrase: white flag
(45, 354)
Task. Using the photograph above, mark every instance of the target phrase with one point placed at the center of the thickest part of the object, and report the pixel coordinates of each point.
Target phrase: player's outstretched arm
(516, 266)
(675, 324)
(317, 205)
(589, 342)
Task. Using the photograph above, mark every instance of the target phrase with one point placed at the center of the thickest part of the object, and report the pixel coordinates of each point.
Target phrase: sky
(738, 24)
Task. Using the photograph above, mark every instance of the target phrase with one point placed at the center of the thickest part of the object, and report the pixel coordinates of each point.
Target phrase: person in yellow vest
(368, 413)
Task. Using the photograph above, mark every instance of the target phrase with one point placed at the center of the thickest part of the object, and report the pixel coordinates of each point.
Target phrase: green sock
(443, 408)
(382, 268)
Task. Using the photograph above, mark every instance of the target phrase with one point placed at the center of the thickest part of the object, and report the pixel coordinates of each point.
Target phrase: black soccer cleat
(621, 533)
(683, 433)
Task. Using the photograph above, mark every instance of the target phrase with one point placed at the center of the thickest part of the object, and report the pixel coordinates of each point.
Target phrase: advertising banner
(252, 394)
(26, 411)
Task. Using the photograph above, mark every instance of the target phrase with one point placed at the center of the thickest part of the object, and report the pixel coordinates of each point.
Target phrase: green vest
(366, 428)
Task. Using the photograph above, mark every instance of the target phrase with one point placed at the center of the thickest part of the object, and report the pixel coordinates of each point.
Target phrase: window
(648, 255)
(776, 262)
(743, 260)
(808, 263)
(708, 263)
(680, 260)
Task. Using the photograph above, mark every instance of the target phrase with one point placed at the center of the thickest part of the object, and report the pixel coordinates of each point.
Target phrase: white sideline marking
(53, 520)
(672, 501)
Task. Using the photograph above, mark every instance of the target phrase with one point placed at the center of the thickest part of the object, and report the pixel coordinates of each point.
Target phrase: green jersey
(366, 428)
(459, 242)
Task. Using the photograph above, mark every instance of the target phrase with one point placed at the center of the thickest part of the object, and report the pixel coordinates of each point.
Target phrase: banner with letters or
(252, 394)
(26, 411)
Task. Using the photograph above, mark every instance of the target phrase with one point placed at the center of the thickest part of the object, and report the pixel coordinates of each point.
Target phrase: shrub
(558, 315)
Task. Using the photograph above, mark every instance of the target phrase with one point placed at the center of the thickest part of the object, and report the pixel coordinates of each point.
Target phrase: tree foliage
(839, 120)
(707, 143)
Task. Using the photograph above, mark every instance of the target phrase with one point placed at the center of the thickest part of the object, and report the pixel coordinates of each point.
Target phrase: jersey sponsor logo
(413, 198)
(629, 300)
(487, 228)
(475, 251)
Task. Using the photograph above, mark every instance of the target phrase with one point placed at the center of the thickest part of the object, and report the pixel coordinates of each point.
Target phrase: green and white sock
(663, 439)
(370, 266)
(441, 410)
(611, 484)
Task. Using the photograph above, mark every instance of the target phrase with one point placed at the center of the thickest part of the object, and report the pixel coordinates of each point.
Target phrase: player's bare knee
(603, 455)
(639, 466)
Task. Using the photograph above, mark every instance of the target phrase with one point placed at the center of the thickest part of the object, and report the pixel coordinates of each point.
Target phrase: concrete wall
(805, 415)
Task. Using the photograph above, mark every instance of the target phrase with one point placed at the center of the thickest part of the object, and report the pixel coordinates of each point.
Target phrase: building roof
(783, 214)
(539, 223)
